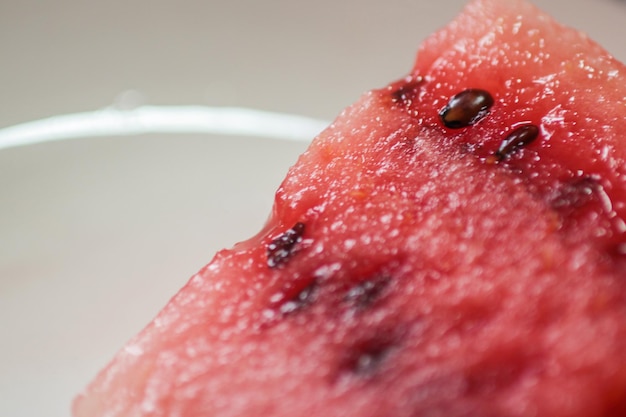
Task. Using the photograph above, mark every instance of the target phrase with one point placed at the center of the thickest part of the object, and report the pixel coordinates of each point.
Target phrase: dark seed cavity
(574, 194)
(578, 193)
(617, 249)
(280, 249)
(495, 374)
(405, 90)
(466, 108)
(585, 199)
(365, 293)
(300, 299)
(366, 357)
(518, 138)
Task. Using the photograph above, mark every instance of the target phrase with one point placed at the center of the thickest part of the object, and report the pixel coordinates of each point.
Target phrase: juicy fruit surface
(407, 270)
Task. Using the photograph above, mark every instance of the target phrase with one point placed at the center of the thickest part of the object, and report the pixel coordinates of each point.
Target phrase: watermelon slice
(452, 245)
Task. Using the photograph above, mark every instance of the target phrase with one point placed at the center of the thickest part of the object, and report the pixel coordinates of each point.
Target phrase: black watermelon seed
(365, 293)
(518, 138)
(466, 108)
(280, 249)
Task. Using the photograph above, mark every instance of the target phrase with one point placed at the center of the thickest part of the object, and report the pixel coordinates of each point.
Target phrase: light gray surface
(95, 236)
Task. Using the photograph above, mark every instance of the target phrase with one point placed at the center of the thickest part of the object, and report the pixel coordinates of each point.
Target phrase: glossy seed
(466, 108)
(518, 138)
(280, 249)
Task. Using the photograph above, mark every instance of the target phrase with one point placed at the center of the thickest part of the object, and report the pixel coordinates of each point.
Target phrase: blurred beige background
(96, 235)
(308, 58)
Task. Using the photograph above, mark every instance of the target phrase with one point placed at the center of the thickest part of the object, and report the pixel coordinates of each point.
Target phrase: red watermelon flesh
(412, 269)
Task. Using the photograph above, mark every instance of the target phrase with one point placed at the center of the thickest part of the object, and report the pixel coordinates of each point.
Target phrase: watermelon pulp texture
(409, 269)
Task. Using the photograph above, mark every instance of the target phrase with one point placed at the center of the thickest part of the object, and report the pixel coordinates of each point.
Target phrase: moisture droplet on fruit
(518, 138)
(466, 108)
(280, 249)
